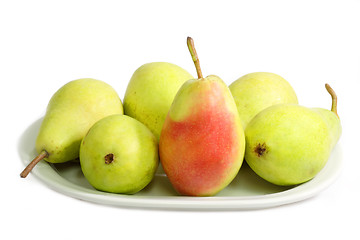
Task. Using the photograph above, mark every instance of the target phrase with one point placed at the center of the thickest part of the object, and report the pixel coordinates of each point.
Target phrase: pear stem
(194, 56)
(334, 99)
(43, 154)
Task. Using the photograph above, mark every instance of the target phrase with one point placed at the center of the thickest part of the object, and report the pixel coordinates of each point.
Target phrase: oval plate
(247, 190)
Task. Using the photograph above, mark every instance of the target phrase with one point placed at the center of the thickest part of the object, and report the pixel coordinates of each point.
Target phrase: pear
(256, 91)
(202, 141)
(288, 144)
(331, 117)
(119, 154)
(71, 111)
(150, 92)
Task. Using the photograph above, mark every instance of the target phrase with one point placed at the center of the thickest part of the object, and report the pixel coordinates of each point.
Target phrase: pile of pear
(199, 129)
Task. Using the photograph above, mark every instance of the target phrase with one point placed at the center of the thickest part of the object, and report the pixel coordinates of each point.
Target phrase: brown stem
(194, 56)
(333, 97)
(31, 165)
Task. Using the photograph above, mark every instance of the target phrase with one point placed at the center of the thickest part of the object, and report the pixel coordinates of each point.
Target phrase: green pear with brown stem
(331, 117)
(71, 111)
(288, 144)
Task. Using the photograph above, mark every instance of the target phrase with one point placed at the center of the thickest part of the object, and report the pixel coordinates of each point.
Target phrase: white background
(44, 44)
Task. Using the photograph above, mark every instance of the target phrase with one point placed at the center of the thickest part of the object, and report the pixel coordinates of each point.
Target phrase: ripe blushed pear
(256, 91)
(202, 141)
(150, 92)
(288, 144)
(71, 111)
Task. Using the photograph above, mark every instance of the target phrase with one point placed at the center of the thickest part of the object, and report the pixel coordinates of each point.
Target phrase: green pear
(202, 142)
(119, 154)
(254, 92)
(333, 123)
(331, 117)
(72, 110)
(151, 91)
(288, 144)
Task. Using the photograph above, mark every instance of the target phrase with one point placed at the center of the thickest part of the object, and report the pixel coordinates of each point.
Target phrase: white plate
(247, 191)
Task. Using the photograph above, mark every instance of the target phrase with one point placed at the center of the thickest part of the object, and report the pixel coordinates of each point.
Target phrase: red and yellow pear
(202, 142)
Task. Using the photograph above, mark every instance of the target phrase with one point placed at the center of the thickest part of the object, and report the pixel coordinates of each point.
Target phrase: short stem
(191, 46)
(31, 165)
(333, 97)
